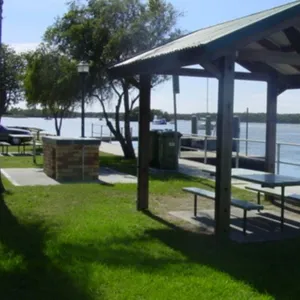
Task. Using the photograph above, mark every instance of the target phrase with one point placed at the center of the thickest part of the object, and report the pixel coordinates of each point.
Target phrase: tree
(51, 81)
(12, 68)
(2, 188)
(106, 32)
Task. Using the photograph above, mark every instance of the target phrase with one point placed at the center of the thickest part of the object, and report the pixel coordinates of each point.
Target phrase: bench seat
(4, 144)
(291, 197)
(242, 204)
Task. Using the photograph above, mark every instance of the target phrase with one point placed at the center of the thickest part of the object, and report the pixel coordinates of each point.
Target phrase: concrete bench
(4, 145)
(242, 204)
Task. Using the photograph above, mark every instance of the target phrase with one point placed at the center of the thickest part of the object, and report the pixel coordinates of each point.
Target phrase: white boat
(202, 124)
(157, 121)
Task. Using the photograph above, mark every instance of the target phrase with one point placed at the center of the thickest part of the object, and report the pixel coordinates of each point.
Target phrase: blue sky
(25, 22)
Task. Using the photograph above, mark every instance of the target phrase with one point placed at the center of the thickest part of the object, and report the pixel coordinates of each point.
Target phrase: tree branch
(115, 89)
(133, 101)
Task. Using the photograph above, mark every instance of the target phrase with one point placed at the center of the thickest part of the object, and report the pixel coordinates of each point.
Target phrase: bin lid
(169, 133)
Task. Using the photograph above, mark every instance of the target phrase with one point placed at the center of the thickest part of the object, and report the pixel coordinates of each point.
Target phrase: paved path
(201, 170)
(27, 177)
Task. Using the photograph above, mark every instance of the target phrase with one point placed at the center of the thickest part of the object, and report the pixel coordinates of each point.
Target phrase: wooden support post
(224, 147)
(270, 153)
(144, 145)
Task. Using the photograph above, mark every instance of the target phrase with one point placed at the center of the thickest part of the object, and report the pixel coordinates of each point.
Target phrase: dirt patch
(162, 205)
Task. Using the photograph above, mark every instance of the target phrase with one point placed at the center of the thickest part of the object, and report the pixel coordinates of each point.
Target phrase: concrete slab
(27, 177)
(261, 227)
(34, 177)
(110, 176)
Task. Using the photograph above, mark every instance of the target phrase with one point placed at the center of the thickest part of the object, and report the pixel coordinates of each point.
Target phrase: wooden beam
(224, 147)
(211, 68)
(252, 33)
(144, 145)
(269, 56)
(293, 35)
(269, 45)
(191, 72)
(270, 152)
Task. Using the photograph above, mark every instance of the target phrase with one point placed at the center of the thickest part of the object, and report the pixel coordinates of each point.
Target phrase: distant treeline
(252, 117)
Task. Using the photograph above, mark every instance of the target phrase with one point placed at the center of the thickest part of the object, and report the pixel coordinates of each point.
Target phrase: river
(286, 133)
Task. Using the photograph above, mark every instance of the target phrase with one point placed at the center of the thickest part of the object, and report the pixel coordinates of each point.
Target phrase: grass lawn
(86, 241)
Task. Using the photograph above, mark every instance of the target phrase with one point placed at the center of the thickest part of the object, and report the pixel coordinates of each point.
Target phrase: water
(288, 133)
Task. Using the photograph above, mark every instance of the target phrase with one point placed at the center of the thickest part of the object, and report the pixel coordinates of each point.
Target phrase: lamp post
(83, 69)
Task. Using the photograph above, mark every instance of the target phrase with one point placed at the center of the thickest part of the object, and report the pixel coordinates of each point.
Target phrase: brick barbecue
(71, 159)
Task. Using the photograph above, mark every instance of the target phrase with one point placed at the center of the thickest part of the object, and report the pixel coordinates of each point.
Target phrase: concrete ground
(34, 177)
(27, 177)
(110, 176)
(261, 227)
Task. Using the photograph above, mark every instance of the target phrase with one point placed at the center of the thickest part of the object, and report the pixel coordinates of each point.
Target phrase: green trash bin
(154, 149)
(168, 156)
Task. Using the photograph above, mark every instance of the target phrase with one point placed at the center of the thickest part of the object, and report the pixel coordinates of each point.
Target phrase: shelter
(267, 44)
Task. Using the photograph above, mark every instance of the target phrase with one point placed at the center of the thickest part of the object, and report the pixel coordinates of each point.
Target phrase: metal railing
(103, 131)
(238, 152)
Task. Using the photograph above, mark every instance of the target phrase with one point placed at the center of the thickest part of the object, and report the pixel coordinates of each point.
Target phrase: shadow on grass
(34, 275)
(267, 267)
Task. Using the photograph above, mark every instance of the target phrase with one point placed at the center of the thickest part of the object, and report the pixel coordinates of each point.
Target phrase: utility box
(168, 154)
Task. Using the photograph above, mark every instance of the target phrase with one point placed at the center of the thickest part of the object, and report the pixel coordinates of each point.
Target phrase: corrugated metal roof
(204, 36)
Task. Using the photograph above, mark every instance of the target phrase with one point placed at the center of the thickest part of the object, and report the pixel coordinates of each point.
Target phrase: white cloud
(23, 47)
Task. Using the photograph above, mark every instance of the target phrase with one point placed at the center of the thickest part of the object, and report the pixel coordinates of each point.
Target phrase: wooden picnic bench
(4, 145)
(242, 204)
(25, 144)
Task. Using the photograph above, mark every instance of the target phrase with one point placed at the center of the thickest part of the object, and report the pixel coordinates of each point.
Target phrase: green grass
(86, 241)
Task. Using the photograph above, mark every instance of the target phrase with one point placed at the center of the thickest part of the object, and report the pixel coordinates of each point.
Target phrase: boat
(202, 124)
(157, 121)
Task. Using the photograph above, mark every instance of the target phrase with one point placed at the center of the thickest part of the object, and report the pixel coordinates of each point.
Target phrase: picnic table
(20, 136)
(268, 180)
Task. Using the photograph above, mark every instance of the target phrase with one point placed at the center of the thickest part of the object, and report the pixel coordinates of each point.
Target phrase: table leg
(195, 205)
(282, 208)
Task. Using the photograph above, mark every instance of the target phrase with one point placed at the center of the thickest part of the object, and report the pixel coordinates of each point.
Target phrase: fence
(102, 131)
(279, 152)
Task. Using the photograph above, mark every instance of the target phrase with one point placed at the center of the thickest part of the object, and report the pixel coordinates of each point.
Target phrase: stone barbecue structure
(71, 159)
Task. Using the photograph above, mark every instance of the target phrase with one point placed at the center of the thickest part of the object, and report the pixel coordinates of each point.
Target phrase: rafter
(271, 46)
(293, 35)
(269, 56)
(192, 72)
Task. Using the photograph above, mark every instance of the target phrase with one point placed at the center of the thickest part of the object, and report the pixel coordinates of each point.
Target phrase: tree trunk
(125, 142)
(127, 130)
(57, 126)
(2, 188)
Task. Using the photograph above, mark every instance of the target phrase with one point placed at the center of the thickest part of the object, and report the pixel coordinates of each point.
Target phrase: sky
(24, 23)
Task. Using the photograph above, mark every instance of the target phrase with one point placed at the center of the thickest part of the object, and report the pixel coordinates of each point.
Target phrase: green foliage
(105, 32)
(134, 116)
(11, 78)
(51, 81)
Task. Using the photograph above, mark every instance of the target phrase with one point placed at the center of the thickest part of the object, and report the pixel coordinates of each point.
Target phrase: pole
(82, 104)
(247, 129)
(176, 91)
(175, 124)
(2, 104)
(207, 94)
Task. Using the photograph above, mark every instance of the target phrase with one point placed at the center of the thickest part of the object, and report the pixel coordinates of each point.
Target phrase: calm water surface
(288, 133)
